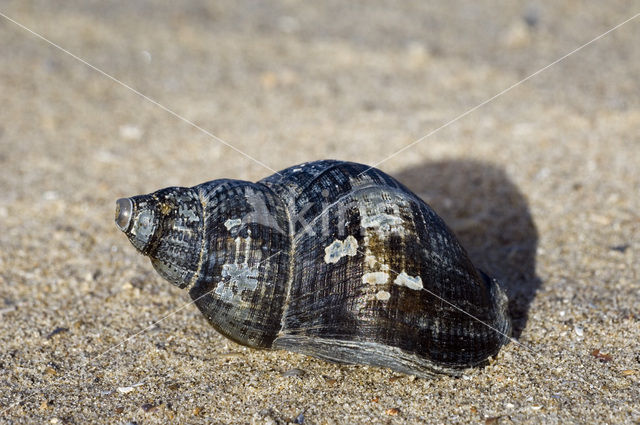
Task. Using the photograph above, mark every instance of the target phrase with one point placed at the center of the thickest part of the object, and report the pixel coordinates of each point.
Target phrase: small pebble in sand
(620, 248)
(392, 412)
(531, 16)
(330, 381)
(50, 195)
(293, 372)
(518, 35)
(146, 56)
(8, 309)
(57, 331)
(603, 357)
(130, 132)
(148, 407)
(126, 390)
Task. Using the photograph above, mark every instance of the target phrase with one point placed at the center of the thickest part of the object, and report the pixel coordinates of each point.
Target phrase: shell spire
(166, 226)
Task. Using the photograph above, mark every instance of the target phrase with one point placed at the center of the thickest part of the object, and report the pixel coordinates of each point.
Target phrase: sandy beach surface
(541, 184)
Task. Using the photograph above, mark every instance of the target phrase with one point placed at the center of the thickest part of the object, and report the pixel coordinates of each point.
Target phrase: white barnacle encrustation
(370, 260)
(383, 296)
(381, 214)
(380, 217)
(338, 249)
(383, 222)
(411, 282)
(238, 277)
(187, 213)
(232, 222)
(241, 276)
(375, 278)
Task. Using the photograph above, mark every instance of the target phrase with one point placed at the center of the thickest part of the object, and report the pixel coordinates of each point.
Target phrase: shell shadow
(490, 217)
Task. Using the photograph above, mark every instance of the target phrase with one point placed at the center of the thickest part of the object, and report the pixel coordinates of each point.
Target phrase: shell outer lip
(124, 212)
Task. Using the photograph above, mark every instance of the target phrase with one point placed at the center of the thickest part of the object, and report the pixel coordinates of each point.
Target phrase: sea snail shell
(331, 259)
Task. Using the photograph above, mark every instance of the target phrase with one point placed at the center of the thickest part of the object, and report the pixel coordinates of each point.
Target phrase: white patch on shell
(232, 222)
(375, 278)
(242, 276)
(371, 261)
(411, 282)
(187, 213)
(383, 222)
(339, 249)
(381, 213)
(239, 277)
(383, 295)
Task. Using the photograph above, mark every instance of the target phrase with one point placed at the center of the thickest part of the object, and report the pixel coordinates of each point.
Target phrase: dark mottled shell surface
(331, 259)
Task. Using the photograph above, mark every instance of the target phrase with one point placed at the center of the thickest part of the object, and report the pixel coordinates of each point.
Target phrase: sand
(541, 185)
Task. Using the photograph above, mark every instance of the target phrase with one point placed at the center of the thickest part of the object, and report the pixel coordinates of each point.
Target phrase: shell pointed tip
(124, 209)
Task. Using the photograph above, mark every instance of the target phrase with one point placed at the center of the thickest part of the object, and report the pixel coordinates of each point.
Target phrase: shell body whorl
(332, 259)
